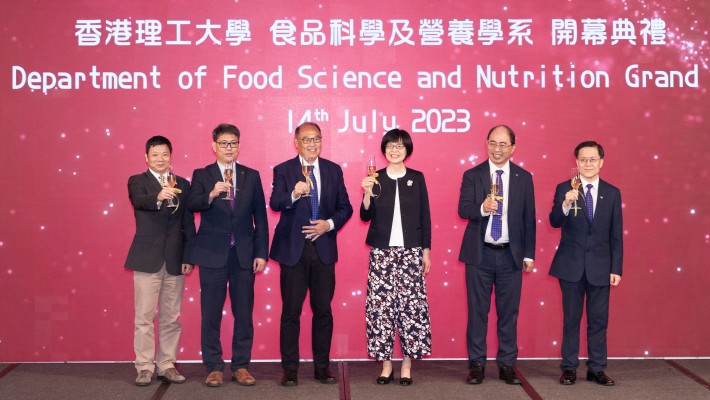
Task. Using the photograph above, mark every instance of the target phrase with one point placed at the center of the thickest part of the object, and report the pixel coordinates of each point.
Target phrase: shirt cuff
(332, 225)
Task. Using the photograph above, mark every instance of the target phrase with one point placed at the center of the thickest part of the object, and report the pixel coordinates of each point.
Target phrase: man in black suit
(305, 246)
(588, 260)
(158, 257)
(499, 243)
(230, 248)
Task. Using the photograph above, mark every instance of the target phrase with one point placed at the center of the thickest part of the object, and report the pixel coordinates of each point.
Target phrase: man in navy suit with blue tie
(313, 209)
(588, 261)
(498, 245)
(231, 246)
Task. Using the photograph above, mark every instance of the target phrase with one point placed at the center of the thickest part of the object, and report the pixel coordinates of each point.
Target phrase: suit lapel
(240, 174)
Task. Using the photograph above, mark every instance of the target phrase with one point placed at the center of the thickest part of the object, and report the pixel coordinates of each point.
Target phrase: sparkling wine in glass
(372, 171)
(306, 169)
(171, 183)
(495, 186)
(228, 175)
(575, 182)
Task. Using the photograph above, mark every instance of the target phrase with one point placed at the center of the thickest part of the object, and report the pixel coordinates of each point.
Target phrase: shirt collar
(156, 175)
(505, 168)
(315, 163)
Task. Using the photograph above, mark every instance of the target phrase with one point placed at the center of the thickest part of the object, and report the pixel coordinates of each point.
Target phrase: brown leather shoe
(243, 377)
(214, 379)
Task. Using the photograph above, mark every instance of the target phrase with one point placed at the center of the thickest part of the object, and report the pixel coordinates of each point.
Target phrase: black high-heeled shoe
(383, 380)
(405, 381)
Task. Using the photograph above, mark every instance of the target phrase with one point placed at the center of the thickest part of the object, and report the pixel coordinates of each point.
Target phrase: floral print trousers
(397, 302)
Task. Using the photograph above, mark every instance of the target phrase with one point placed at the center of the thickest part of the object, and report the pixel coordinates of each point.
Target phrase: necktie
(497, 226)
(314, 196)
(589, 202)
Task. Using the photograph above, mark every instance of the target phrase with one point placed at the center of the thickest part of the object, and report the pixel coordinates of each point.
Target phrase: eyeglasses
(310, 140)
(225, 144)
(501, 145)
(394, 147)
(584, 161)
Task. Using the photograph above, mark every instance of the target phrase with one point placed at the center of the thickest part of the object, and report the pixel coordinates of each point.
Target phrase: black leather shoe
(569, 377)
(290, 378)
(383, 380)
(600, 378)
(405, 381)
(507, 374)
(324, 375)
(476, 375)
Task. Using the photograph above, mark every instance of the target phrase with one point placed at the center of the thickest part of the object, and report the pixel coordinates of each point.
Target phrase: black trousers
(308, 274)
(214, 283)
(597, 305)
(497, 269)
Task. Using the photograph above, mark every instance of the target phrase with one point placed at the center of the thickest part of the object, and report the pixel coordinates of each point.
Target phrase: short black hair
(511, 134)
(157, 141)
(313, 124)
(589, 143)
(396, 136)
(221, 129)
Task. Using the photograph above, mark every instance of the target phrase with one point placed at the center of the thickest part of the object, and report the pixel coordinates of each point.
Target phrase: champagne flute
(372, 171)
(171, 183)
(495, 186)
(575, 182)
(306, 169)
(228, 175)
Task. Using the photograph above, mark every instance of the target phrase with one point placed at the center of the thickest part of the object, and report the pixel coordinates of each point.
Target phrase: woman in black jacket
(400, 239)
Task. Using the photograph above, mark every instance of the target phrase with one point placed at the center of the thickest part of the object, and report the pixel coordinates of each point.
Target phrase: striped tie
(497, 225)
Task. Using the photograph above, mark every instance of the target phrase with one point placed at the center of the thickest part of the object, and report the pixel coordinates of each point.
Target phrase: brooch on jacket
(409, 182)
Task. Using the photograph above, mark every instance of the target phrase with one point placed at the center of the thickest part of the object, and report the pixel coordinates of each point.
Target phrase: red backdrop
(69, 146)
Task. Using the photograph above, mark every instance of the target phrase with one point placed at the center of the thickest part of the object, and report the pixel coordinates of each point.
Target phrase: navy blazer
(334, 203)
(595, 248)
(247, 222)
(414, 209)
(161, 236)
(521, 213)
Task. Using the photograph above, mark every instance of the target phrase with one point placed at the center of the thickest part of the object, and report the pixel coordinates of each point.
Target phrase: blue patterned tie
(589, 202)
(314, 196)
(497, 226)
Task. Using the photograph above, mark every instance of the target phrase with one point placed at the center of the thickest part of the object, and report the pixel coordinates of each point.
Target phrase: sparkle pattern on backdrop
(67, 222)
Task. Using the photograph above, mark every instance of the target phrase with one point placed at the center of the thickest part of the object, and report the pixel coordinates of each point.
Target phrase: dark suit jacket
(596, 248)
(521, 213)
(247, 222)
(414, 208)
(334, 204)
(160, 235)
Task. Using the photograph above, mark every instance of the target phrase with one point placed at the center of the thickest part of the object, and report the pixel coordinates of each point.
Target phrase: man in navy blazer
(312, 211)
(588, 260)
(158, 257)
(496, 249)
(230, 248)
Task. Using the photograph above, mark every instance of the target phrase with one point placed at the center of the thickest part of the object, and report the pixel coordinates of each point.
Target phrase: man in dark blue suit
(588, 260)
(230, 248)
(312, 211)
(499, 243)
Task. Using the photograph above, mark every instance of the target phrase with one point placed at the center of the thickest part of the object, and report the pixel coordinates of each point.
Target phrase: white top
(397, 233)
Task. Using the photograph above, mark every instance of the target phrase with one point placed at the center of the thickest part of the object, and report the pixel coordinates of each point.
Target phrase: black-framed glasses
(310, 140)
(225, 144)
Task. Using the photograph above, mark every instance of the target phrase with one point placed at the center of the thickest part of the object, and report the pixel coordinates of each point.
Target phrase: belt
(498, 246)
(311, 242)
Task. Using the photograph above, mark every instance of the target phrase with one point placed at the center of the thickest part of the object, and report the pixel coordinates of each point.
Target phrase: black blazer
(521, 213)
(596, 248)
(334, 203)
(247, 222)
(414, 209)
(161, 236)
